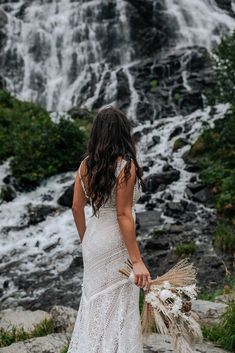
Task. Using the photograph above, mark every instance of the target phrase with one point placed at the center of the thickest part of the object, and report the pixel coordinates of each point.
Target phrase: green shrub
(214, 151)
(224, 332)
(224, 237)
(38, 146)
(184, 250)
(44, 328)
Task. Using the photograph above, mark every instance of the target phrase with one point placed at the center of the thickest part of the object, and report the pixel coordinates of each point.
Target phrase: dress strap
(82, 182)
(120, 165)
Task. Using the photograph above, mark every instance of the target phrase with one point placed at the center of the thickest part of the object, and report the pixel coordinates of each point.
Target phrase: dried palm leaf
(184, 328)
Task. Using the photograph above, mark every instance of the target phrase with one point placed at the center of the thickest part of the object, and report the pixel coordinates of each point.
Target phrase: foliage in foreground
(214, 151)
(38, 146)
(224, 332)
(44, 328)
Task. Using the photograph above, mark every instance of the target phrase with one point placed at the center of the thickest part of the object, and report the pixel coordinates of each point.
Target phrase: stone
(157, 343)
(66, 198)
(154, 180)
(148, 220)
(63, 318)
(225, 5)
(172, 209)
(21, 318)
(155, 140)
(177, 130)
(39, 213)
(150, 206)
(208, 312)
(204, 196)
(194, 187)
(7, 193)
(53, 343)
(144, 198)
(157, 243)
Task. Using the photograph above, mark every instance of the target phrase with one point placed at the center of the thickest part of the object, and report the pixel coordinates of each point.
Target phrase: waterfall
(199, 22)
(60, 48)
(59, 52)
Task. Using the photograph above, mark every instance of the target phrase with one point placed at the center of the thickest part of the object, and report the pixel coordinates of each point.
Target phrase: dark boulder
(157, 243)
(177, 130)
(150, 206)
(7, 193)
(204, 196)
(225, 5)
(144, 198)
(66, 198)
(155, 140)
(199, 193)
(39, 213)
(195, 187)
(153, 181)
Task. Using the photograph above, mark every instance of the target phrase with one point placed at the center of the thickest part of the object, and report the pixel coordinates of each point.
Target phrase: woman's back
(111, 202)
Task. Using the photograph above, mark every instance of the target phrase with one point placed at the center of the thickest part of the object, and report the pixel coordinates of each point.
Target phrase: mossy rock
(179, 143)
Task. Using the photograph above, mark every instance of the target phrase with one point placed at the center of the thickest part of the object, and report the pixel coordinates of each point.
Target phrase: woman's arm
(124, 199)
(79, 202)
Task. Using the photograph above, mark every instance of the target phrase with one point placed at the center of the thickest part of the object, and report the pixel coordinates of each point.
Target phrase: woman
(108, 319)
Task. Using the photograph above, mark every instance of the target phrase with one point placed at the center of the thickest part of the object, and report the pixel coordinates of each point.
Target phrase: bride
(109, 178)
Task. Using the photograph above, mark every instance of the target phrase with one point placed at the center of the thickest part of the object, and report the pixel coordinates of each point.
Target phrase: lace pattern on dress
(108, 318)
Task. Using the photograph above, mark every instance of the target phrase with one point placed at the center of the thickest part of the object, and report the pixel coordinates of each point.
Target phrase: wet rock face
(161, 85)
(225, 5)
(154, 28)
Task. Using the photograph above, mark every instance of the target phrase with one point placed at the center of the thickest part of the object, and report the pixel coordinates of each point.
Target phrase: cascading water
(58, 52)
(199, 22)
(88, 53)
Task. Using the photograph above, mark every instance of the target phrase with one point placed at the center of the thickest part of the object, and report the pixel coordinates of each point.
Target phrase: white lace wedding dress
(108, 319)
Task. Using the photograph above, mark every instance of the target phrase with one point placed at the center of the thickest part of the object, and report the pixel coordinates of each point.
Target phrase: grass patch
(224, 332)
(224, 237)
(65, 349)
(44, 328)
(184, 250)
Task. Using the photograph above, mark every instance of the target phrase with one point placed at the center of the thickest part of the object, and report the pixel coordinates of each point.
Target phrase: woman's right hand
(142, 276)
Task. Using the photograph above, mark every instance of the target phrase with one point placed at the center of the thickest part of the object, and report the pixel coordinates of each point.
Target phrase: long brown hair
(110, 138)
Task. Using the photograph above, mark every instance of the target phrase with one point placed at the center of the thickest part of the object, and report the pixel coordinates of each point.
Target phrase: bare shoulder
(82, 167)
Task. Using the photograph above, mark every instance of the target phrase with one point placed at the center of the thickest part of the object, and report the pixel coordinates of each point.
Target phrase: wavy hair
(110, 138)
